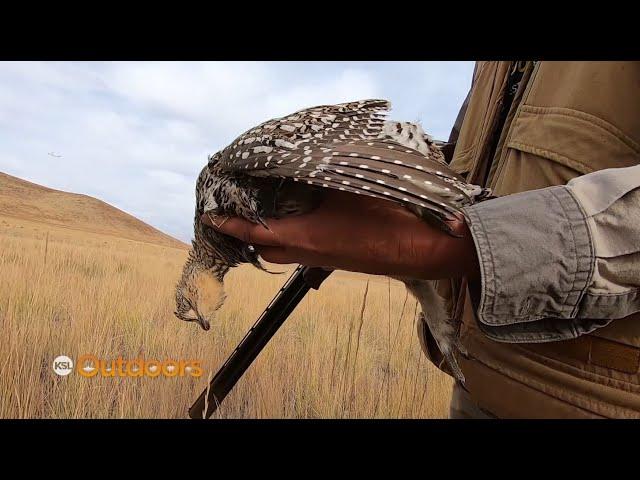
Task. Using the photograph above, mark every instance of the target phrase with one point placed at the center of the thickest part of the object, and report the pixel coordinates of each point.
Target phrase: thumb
(241, 229)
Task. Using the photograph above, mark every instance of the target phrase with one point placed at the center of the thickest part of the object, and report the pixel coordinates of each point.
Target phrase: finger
(248, 232)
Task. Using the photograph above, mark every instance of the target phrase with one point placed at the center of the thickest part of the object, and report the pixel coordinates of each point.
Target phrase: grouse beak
(203, 323)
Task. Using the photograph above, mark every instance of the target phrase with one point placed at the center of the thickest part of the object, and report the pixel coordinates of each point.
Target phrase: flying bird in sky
(284, 167)
(52, 154)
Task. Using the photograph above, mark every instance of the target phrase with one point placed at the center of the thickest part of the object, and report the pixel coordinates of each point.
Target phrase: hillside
(29, 201)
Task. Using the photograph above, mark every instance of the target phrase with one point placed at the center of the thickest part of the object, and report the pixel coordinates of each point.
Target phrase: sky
(136, 134)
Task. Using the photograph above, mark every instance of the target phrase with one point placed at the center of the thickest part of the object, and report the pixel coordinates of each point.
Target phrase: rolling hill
(29, 201)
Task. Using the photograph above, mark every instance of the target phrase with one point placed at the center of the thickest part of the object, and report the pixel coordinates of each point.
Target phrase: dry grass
(113, 297)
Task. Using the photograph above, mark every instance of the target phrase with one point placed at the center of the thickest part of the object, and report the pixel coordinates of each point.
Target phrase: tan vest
(567, 119)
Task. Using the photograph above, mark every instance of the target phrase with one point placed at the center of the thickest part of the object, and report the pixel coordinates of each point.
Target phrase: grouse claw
(264, 224)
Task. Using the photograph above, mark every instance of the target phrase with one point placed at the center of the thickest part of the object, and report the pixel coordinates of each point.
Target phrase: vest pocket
(577, 140)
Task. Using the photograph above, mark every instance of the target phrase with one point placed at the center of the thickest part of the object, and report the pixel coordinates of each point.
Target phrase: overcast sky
(136, 134)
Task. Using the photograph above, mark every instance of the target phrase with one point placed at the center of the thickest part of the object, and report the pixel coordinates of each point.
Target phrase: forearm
(561, 261)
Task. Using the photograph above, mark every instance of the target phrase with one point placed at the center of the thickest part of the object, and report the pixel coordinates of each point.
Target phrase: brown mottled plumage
(283, 166)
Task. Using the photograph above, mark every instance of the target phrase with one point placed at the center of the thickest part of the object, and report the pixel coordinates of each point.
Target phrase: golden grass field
(81, 292)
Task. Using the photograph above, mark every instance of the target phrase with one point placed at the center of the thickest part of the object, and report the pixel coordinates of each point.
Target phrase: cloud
(136, 134)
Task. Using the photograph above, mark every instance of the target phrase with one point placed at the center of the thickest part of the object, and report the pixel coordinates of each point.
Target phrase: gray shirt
(560, 261)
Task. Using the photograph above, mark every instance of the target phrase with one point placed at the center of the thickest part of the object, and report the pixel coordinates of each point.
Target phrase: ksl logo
(90, 366)
(63, 365)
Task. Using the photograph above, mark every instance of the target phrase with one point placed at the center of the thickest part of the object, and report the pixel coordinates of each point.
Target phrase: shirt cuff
(536, 259)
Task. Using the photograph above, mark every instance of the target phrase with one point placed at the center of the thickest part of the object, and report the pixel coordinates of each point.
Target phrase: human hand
(362, 234)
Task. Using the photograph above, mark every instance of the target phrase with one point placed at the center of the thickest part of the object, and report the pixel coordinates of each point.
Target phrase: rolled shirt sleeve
(560, 261)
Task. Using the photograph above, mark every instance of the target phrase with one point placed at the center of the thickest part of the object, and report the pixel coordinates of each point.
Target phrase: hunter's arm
(560, 261)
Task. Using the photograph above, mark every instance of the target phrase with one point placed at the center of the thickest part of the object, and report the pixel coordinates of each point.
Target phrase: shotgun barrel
(257, 338)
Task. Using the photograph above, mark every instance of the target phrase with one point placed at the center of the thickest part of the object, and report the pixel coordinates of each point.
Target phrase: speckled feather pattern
(348, 147)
